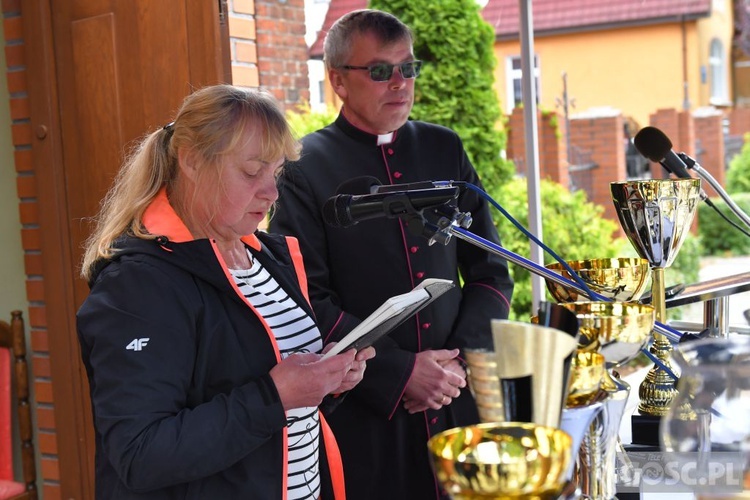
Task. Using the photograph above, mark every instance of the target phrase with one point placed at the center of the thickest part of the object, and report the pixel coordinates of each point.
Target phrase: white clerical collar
(385, 138)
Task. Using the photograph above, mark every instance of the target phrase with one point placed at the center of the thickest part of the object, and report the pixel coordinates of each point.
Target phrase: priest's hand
(437, 378)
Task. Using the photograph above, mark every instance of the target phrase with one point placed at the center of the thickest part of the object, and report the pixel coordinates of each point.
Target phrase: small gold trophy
(617, 330)
(656, 216)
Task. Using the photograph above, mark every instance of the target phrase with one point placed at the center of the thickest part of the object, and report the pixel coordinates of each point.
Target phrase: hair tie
(169, 127)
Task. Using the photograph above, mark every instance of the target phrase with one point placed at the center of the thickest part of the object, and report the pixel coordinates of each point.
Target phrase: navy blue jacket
(178, 369)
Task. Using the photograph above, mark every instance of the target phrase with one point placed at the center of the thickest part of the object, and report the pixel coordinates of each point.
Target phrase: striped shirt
(294, 331)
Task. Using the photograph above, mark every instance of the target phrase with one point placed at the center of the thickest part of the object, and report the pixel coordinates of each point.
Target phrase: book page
(391, 314)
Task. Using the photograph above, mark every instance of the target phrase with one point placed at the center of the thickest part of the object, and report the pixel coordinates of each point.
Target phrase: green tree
(455, 88)
(738, 175)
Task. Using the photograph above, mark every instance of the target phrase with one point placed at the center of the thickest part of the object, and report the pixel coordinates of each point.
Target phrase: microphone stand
(456, 230)
(703, 174)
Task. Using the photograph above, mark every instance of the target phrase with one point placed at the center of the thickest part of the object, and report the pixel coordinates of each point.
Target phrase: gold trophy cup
(622, 279)
(656, 216)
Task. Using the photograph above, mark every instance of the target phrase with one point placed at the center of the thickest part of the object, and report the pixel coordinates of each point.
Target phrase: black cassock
(353, 270)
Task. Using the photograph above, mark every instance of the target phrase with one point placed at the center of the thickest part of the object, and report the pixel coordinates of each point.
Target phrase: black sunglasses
(383, 72)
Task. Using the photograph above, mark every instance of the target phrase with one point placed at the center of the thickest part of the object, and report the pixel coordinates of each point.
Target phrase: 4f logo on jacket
(137, 344)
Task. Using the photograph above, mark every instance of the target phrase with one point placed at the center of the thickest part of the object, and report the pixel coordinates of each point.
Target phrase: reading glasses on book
(383, 72)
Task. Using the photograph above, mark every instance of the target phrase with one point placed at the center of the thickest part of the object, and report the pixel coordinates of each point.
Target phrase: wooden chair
(14, 372)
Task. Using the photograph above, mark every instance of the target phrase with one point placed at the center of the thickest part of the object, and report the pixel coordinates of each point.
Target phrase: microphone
(345, 210)
(656, 146)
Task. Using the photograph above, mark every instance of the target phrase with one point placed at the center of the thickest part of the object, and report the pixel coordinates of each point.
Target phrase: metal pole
(532, 145)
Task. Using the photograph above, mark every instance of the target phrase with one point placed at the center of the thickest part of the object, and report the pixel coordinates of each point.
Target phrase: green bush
(686, 266)
(738, 175)
(573, 227)
(304, 120)
(718, 236)
(455, 88)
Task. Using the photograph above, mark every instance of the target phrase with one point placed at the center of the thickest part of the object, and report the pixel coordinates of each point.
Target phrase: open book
(391, 314)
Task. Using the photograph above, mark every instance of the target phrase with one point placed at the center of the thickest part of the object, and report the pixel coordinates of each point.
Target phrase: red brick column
(553, 163)
(679, 128)
(602, 138)
(516, 140)
(739, 121)
(708, 128)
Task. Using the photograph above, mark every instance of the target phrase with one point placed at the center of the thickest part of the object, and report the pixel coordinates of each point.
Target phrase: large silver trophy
(656, 216)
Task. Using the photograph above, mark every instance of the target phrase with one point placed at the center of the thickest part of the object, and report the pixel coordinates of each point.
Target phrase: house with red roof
(636, 56)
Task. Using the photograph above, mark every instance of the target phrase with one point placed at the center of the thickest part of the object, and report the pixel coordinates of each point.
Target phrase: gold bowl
(586, 373)
(622, 279)
(502, 460)
(617, 330)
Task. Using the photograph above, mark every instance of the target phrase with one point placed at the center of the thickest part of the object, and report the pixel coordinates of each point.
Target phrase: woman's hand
(357, 371)
(305, 379)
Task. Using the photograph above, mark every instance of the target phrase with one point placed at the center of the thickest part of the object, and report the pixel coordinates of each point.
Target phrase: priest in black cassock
(416, 386)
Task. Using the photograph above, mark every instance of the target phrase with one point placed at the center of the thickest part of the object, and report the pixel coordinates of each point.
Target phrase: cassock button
(390, 151)
(414, 249)
(433, 420)
(425, 326)
(397, 175)
(419, 275)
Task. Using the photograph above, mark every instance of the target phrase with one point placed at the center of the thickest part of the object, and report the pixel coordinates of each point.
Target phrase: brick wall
(600, 138)
(709, 128)
(28, 211)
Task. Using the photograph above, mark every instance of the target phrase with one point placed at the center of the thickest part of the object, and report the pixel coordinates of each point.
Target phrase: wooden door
(101, 74)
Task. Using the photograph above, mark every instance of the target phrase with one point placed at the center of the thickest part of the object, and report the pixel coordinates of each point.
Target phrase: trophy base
(645, 429)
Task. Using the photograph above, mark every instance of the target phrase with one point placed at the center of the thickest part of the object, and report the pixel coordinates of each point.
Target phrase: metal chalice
(502, 460)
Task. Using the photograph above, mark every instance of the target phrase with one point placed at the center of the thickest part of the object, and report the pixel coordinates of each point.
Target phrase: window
(514, 95)
(718, 73)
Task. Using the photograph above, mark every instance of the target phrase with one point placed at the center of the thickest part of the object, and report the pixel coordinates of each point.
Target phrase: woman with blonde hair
(198, 338)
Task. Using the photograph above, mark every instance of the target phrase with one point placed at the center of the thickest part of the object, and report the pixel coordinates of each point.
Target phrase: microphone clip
(433, 224)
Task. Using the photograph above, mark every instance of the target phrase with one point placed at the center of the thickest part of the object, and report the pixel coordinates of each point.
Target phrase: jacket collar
(360, 135)
(160, 219)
